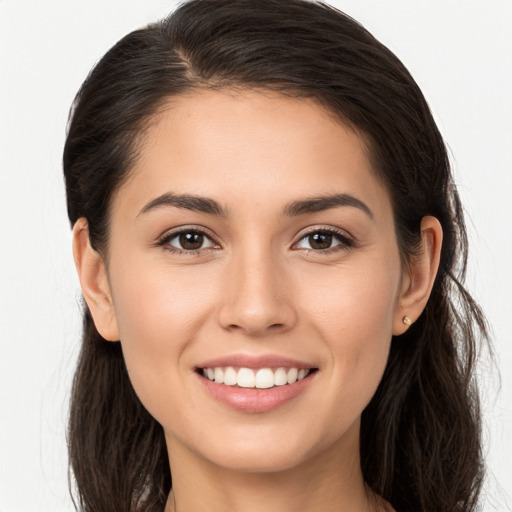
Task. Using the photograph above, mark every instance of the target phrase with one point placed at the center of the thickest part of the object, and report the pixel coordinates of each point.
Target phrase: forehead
(249, 144)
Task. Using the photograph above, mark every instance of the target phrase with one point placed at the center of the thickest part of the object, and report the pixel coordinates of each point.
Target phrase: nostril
(256, 304)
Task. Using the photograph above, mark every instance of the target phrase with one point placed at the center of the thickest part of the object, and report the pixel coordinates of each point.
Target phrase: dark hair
(420, 434)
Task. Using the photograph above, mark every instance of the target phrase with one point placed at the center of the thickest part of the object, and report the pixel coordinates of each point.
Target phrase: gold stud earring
(407, 321)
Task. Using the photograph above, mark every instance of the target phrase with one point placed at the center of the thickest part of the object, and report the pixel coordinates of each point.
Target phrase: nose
(257, 297)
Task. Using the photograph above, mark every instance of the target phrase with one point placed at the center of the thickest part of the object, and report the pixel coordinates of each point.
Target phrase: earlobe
(94, 282)
(421, 275)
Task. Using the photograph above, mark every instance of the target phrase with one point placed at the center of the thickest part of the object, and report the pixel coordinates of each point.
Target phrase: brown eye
(323, 240)
(191, 241)
(187, 240)
(320, 240)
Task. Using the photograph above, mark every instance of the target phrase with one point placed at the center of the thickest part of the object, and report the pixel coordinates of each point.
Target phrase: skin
(257, 286)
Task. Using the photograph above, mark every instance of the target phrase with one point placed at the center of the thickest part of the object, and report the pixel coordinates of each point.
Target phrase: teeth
(219, 375)
(230, 377)
(280, 378)
(246, 378)
(263, 378)
(291, 376)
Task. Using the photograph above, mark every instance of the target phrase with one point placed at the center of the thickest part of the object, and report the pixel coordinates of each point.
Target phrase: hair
(421, 433)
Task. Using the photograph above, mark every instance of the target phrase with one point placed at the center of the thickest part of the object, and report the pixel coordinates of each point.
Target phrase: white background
(459, 51)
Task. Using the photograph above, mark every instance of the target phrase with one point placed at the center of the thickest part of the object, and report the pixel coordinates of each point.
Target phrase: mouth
(252, 383)
(255, 378)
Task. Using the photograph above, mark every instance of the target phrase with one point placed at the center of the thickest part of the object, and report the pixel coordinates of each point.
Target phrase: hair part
(420, 434)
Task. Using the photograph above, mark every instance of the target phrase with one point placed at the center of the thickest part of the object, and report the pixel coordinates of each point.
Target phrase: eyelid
(347, 240)
(168, 235)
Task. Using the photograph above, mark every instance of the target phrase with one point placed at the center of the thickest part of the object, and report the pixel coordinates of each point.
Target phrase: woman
(271, 248)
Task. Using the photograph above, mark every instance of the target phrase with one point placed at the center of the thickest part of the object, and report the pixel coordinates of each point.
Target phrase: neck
(330, 481)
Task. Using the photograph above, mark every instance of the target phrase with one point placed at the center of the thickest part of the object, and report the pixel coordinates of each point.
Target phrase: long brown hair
(420, 435)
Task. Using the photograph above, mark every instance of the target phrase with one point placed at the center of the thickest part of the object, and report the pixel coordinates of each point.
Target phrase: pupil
(191, 241)
(320, 240)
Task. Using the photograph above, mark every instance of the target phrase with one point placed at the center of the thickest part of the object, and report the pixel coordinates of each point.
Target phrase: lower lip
(254, 399)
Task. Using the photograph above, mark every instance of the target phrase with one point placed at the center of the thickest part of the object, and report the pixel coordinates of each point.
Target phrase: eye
(187, 240)
(323, 240)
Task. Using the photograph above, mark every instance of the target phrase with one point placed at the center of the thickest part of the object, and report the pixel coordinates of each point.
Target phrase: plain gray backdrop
(459, 51)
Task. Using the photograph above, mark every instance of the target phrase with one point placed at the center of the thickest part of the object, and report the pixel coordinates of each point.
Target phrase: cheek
(159, 314)
(354, 300)
(354, 316)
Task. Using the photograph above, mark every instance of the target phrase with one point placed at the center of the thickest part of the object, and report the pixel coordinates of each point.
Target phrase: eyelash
(164, 242)
(165, 239)
(346, 242)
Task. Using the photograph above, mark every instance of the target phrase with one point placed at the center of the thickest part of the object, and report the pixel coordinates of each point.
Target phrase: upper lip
(255, 361)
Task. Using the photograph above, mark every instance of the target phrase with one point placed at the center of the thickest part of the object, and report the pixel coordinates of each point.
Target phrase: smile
(263, 378)
(256, 383)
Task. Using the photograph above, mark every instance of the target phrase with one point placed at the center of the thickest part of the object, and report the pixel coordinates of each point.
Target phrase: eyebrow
(188, 202)
(321, 203)
(293, 209)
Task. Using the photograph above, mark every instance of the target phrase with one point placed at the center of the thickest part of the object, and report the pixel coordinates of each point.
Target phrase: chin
(258, 460)
(271, 449)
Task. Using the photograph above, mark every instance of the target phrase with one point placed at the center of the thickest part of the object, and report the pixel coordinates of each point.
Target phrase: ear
(94, 282)
(419, 276)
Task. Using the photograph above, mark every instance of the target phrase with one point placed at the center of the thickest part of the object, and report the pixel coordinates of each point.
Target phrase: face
(253, 244)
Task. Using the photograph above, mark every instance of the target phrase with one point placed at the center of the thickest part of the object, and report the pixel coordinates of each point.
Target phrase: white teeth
(263, 378)
(280, 377)
(291, 376)
(246, 378)
(219, 375)
(230, 377)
